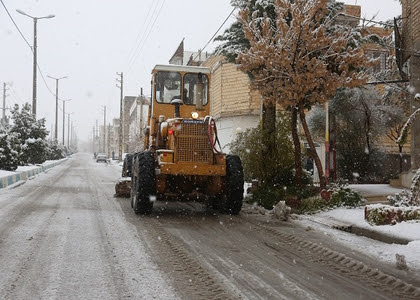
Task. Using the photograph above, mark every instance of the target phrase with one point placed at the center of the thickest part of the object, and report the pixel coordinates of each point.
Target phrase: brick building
(234, 104)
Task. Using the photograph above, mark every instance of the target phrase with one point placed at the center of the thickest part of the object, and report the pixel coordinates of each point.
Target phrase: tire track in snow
(196, 282)
(343, 264)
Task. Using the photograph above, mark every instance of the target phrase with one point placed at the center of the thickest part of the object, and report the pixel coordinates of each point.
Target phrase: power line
(43, 79)
(130, 53)
(16, 96)
(32, 50)
(220, 27)
(145, 33)
(140, 46)
(17, 27)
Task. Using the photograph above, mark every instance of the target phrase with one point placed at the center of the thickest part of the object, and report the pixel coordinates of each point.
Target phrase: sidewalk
(375, 193)
(23, 173)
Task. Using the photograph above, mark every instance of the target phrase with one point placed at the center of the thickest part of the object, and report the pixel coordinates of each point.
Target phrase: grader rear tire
(234, 187)
(134, 171)
(145, 187)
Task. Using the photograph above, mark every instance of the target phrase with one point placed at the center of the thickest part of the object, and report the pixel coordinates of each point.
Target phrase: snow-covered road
(63, 236)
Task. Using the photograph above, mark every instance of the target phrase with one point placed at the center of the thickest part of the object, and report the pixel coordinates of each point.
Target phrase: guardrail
(17, 176)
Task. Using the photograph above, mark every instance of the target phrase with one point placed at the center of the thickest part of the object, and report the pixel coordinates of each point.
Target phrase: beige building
(187, 58)
(234, 104)
(137, 123)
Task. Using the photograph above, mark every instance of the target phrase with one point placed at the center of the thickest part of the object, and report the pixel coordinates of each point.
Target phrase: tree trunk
(298, 150)
(400, 147)
(269, 140)
(313, 153)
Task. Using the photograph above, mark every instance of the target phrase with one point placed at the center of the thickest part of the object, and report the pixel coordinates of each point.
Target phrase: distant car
(101, 157)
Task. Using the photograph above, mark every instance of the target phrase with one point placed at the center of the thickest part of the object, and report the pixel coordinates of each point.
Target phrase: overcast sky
(90, 40)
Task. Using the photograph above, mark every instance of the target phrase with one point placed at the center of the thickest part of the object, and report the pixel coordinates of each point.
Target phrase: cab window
(196, 88)
(167, 86)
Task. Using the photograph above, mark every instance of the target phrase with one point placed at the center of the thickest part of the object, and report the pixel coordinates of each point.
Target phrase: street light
(35, 57)
(56, 104)
(68, 130)
(64, 116)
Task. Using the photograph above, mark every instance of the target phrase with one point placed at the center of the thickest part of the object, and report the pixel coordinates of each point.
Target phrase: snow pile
(281, 211)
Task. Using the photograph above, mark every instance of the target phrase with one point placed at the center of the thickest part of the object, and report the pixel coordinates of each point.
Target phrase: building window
(380, 60)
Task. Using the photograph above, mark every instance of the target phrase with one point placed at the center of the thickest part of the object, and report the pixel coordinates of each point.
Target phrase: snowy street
(63, 235)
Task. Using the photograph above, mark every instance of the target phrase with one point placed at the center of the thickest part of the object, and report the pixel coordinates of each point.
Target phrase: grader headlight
(164, 129)
(194, 115)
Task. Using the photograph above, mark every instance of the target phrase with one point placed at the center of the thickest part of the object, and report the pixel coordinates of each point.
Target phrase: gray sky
(90, 40)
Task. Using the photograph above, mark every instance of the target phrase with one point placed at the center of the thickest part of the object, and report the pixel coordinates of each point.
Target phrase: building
(113, 141)
(137, 124)
(409, 62)
(127, 104)
(187, 58)
(234, 104)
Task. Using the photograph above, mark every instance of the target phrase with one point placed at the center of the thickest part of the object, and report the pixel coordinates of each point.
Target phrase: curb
(25, 175)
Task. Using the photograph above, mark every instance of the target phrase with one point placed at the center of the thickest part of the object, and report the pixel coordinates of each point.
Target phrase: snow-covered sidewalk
(22, 173)
(375, 190)
(376, 249)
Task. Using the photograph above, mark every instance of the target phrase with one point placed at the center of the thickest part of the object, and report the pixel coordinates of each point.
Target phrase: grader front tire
(145, 184)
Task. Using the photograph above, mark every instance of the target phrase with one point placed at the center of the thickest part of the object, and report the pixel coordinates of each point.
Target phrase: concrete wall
(228, 128)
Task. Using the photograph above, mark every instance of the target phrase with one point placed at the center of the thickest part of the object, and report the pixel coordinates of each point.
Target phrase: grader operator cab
(182, 159)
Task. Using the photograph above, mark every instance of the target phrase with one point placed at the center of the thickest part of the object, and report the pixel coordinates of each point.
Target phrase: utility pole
(34, 50)
(97, 137)
(68, 130)
(104, 129)
(121, 131)
(109, 141)
(64, 116)
(56, 104)
(141, 117)
(71, 134)
(3, 115)
(93, 140)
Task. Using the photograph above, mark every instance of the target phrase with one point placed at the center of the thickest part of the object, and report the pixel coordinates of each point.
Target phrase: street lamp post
(56, 105)
(34, 48)
(68, 129)
(64, 116)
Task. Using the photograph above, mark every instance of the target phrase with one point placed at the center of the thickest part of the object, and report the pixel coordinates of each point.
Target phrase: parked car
(101, 157)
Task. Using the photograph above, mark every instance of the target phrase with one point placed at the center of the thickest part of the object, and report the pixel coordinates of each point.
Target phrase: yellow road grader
(182, 159)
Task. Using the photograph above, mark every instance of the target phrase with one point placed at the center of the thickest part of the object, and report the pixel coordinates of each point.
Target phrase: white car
(101, 157)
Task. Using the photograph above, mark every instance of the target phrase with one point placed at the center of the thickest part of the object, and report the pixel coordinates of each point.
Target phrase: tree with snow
(235, 42)
(297, 61)
(55, 150)
(396, 98)
(409, 197)
(359, 117)
(9, 150)
(31, 133)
